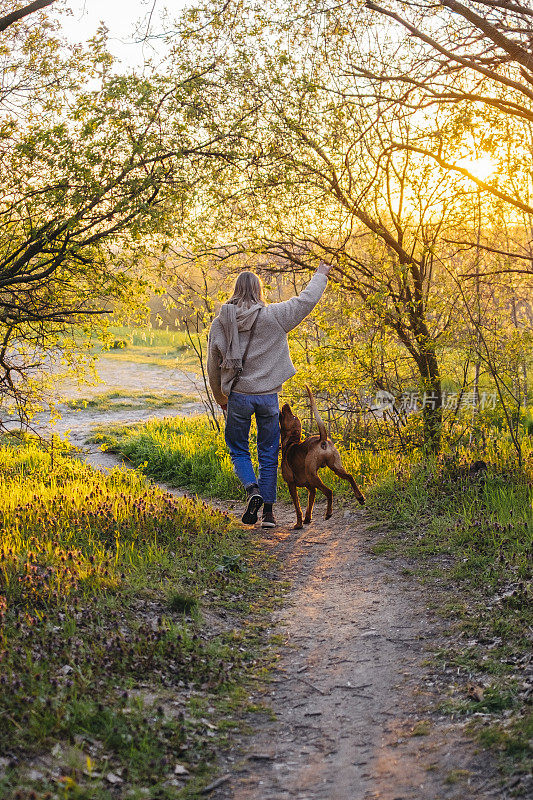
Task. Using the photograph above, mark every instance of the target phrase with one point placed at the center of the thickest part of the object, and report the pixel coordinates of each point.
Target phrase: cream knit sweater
(268, 362)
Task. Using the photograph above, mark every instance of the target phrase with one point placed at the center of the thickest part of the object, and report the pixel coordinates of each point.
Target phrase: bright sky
(122, 17)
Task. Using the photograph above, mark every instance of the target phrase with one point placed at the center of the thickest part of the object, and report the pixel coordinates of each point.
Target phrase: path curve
(354, 703)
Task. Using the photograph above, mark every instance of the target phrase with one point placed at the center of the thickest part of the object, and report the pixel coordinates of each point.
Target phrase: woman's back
(268, 362)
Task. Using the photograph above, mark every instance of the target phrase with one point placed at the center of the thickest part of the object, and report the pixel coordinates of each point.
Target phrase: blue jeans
(237, 435)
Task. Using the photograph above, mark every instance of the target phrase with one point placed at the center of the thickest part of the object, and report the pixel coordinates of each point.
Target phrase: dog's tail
(319, 422)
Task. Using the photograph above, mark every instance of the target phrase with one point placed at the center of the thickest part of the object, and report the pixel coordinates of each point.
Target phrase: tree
(14, 16)
(322, 179)
(472, 64)
(360, 150)
(92, 178)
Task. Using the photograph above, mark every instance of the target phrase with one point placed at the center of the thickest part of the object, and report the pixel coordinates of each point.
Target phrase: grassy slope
(473, 538)
(471, 542)
(109, 677)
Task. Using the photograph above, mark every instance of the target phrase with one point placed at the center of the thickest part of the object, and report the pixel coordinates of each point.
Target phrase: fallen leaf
(476, 692)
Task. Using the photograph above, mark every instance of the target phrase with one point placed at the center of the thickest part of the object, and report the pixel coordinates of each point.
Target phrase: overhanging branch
(9, 19)
(462, 171)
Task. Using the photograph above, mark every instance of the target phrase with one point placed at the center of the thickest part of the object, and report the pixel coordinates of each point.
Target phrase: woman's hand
(223, 406)
(323, 268)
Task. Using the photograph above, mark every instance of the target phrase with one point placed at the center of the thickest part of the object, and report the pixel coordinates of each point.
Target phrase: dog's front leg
(310, 504)
(296, 500)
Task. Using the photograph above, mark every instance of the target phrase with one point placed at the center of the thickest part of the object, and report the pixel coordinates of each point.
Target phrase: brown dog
(300, 461)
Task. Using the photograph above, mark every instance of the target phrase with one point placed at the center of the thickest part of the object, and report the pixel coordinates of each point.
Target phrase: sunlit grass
(97, 574)
(156, 346)
(191, 453)
(182, 452)
(127, 399)
(474, 532)
(473, 536)
(149, 337)
(486, 519)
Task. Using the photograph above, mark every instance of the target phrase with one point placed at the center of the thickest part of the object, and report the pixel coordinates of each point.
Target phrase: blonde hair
(248, 290)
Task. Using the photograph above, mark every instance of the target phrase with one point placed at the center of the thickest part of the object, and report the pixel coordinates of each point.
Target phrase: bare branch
(470, 63)
(515, 50)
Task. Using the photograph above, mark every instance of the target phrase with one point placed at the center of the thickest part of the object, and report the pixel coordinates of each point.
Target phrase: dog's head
(291, 427)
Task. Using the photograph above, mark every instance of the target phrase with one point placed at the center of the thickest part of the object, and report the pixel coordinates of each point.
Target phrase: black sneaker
(269, 520)
(255, 501)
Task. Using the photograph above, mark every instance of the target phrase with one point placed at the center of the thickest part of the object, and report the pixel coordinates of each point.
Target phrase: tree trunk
(432, 405)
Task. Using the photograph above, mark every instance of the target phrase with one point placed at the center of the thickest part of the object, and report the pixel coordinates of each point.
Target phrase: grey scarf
(234, 319)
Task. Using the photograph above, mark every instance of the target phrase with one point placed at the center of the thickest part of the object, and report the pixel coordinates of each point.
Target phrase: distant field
(162, 347)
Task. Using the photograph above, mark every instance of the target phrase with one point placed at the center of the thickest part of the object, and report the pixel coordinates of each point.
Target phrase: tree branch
(9, 19)
(449, 54)
(506, 6)
(456, 168)
(515, 50)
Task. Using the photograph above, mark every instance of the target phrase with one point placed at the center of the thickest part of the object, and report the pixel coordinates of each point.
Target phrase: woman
(248, 363)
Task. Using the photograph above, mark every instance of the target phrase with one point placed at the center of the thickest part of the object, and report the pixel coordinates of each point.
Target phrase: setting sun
(481, 168)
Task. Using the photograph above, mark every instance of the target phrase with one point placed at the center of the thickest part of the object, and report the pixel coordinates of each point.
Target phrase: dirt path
(124, 376)
(354, 703)
(351, 697)
(77, 424)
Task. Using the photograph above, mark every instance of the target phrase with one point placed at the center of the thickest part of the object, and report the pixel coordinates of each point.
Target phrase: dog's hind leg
(329, 496)
(310, 504)
(296, 500)
(341, 472)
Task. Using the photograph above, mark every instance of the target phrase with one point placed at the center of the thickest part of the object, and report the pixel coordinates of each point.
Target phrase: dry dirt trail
(351, 688)
(353, 702)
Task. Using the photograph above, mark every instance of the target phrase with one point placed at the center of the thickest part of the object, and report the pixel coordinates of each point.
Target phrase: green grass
(513, 739)
(180, 452)
(469, 540)
(473, 541)
(104, 656)
(182, 602)
(191, 453)
(486, 526)
(130, 400)
(432, 503)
